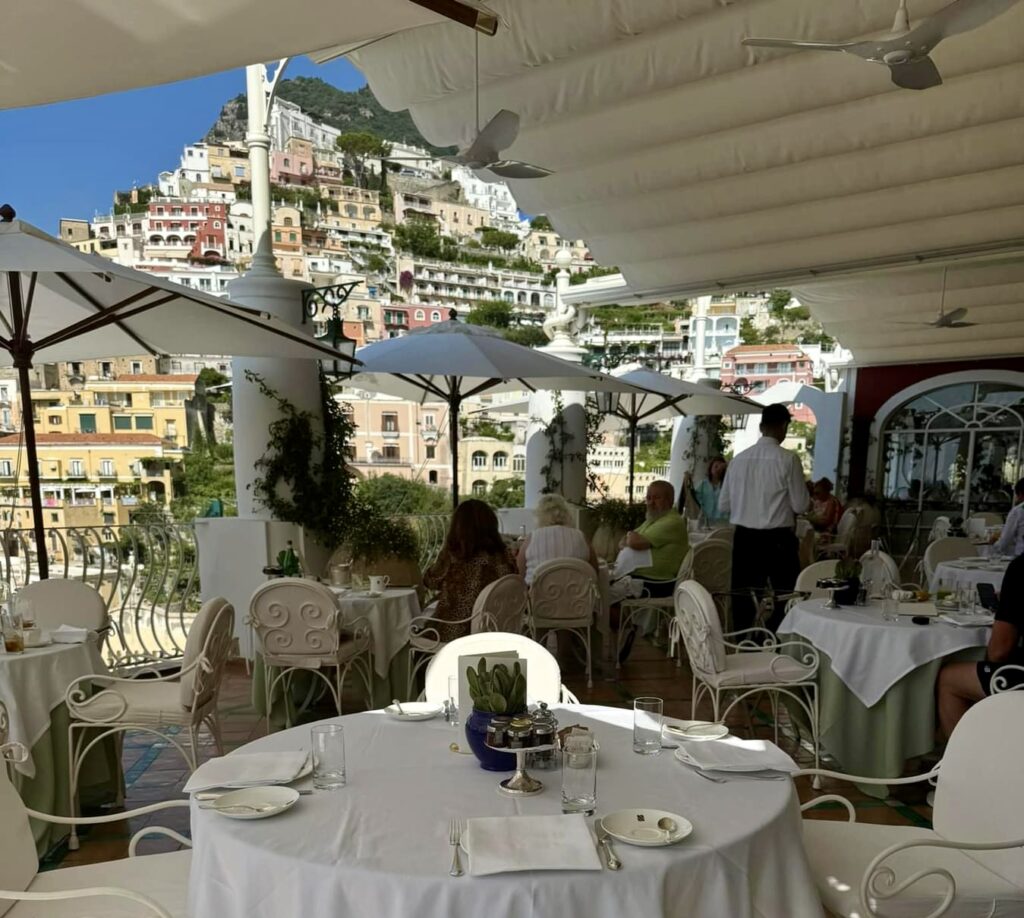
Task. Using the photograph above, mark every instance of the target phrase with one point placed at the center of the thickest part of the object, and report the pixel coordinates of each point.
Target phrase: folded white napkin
(500, 844)
(737, 755)
(250, 769)
(69, 634)
(629, 560)
(967, 619)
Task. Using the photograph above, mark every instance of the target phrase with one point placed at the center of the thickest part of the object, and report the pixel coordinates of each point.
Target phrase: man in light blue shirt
(1011, 541)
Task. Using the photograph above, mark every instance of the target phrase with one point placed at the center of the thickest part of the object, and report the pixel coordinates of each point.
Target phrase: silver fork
(454, 837)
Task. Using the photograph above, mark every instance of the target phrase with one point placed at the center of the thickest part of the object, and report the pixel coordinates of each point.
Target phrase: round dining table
(969, 572)
(380, 845)
(876, 681)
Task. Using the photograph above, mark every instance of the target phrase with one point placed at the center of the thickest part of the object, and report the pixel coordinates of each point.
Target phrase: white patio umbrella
(660, 397)
(59, 304)
(451, 361)
(54, 50)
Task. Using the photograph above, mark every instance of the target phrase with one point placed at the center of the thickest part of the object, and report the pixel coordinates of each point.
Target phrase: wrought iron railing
(431, 529)
(146, 573)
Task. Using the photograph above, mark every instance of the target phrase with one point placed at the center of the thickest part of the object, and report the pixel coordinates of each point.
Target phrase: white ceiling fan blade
(955, 316)
(796, 43)
(919, 74)
(964, 15)
(512, 168)
(961, 324)
(500, 132)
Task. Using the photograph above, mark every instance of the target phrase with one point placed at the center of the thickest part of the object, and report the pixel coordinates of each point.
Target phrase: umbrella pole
(632, 457)
(454, 402)
(23, 362)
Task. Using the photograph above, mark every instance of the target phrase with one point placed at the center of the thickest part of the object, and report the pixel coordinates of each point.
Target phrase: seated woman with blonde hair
(554, 538)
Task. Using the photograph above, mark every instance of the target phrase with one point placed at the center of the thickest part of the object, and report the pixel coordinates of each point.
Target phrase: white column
(692, 445)
(699, 328)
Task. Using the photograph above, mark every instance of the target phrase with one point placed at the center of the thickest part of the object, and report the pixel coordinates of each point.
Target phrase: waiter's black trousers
(760, 557)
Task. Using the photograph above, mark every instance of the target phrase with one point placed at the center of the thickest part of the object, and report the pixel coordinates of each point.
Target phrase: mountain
(347, 111)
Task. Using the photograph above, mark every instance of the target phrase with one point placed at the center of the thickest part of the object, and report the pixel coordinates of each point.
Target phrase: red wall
(876, 385)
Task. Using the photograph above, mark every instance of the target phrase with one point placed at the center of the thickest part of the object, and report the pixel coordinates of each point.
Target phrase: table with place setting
(715, 842)
(968, 572)
(33, 684)
(876, 681)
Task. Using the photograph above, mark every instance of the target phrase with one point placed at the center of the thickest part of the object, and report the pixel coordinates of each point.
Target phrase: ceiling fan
(485, 150)
(952, 319)
(905, 51)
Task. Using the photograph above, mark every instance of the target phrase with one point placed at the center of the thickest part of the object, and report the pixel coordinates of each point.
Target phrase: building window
(435, 316)
(432, 477)
(144, 422)
(292, 237)
(479, 488)
(136, 368)
(429, 421)
(122, 422)
(54, 419)
(277, 235)
(390, 422)
(500, 461)
(107, 468)
(479, 460)
(420, 315)
(431, 452)
(76, 469)
(391, 454)
(5, 468)
(518, 463)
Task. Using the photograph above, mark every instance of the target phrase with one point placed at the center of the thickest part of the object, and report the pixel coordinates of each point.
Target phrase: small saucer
(640, 827)
(255, 802)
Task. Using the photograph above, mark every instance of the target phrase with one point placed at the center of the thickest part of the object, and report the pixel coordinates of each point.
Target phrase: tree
(211, 379)
(778, 300)
(419, 238)
(390, 495)
(358, 147)
(491, 313)
(498, 239)
(527, 335)
(541, 222)
(206, 473)
(507, 492)
(748, 333)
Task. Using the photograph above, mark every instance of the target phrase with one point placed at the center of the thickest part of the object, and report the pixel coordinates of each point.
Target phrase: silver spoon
(668, 826)
(398, 705)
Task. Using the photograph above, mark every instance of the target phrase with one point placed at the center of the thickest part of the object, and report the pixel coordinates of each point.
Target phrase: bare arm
(521, 556)
(1003, 642)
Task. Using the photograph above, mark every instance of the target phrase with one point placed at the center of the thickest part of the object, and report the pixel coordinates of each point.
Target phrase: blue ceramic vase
(476, 733)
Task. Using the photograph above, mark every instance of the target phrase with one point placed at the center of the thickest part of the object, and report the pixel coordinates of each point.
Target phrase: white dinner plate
(415, 710)
(255, 802)
(640, 827)
(697, 730)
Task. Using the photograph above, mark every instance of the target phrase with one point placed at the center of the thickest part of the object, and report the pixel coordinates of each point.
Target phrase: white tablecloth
(379, 847)
(389, 616)
(952, 573)
(33, 683)
(869, 654)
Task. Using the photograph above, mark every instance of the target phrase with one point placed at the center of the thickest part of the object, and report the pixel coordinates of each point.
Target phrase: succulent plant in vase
(848, 569)
(495, 691)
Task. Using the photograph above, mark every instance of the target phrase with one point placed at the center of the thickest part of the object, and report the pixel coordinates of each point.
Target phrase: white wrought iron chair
(970, 864)
(843, 544)
(127, 888)
(563, 597)
(185, 700)
(57, 602)
(721, 534)
(543, 676)
(301, 629)
(738, 669)
(1008, 678)
(660, 607)
(712, 569)
(502, 605)
(949, 548)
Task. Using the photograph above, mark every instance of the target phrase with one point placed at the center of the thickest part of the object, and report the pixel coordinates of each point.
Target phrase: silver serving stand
(521, 783)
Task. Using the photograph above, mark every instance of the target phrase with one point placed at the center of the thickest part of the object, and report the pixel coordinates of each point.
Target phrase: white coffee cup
(379, 583)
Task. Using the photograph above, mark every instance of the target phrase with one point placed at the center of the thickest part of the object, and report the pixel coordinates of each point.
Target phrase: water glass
(967, 594)
(891, 609)
(647, 717)
(452, 715)
(328, 756)
(579, 782)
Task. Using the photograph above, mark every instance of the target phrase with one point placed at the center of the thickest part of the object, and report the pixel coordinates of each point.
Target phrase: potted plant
(614, 519)
(495, 691)
(849, 570)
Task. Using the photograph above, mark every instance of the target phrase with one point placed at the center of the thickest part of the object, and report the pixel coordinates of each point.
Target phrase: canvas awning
(698, 165)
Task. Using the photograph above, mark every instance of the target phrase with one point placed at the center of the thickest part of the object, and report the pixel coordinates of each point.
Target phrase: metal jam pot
(543, 735)
(520, 733)
(497, 731)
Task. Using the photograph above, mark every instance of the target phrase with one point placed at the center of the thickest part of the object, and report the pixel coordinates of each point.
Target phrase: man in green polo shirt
(664, 533)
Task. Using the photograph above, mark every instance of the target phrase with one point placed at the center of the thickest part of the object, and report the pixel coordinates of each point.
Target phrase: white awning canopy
(696, 164)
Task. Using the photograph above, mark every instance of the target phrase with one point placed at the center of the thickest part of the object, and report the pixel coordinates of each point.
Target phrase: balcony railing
(147, 575)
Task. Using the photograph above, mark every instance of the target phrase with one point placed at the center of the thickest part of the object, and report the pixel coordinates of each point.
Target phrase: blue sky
(67, 160)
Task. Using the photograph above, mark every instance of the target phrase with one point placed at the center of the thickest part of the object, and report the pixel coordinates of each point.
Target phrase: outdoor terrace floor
(155, 771)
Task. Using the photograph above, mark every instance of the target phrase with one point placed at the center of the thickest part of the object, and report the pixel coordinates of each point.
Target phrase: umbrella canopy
(59, 304)
(108, 45)
(451, 361)
(666, 398)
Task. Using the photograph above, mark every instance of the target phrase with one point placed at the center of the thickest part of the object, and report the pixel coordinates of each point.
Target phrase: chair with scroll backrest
(950, 548)
(563, 597)
(656, 609)
(502, 605)
(156, 885)
(300, 629)
(712, 569)
(971, 862)
(56, 602)
(543, 676)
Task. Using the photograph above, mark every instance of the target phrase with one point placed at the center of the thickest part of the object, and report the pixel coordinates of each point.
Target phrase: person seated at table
(702, 501)
(826, 510)
(554, 538)
(1011, 539)
(960, 685)
(474, 555)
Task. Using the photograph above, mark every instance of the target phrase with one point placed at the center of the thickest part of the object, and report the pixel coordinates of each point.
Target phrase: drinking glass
(11, 629)
(647, 716)
(967, 594)
(328, 756)
(579, 782)
(453, 700)
(891, 609)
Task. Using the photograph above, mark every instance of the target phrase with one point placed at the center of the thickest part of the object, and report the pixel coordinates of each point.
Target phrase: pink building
(764, 365)
(200, 225)
(293, 165)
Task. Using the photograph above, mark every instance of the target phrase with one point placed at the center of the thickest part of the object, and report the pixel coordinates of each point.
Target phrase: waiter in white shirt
(1011, 539)
(763, 491)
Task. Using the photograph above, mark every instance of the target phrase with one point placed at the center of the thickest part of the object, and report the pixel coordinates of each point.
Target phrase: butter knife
(604, 844)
